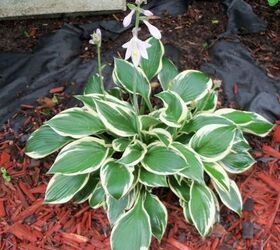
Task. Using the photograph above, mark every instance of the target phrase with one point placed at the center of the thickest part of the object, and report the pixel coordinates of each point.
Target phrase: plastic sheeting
(232, 63)
(56, 61)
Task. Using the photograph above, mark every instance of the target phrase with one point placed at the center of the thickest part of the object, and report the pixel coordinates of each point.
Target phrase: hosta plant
(124, 143)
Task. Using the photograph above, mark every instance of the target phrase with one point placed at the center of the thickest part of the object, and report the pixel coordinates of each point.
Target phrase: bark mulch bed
(27, 224)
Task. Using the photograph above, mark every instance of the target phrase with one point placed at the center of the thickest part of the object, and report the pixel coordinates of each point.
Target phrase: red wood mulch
(27, 224)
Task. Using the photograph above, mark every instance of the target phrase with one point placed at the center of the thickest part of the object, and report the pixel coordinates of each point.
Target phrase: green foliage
(115, 157)
(272, 2)
(5, 175)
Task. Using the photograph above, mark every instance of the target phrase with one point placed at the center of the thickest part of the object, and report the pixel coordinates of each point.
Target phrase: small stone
(247, 230)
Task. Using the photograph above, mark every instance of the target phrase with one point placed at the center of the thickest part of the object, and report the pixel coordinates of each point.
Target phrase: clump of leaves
(115, 152)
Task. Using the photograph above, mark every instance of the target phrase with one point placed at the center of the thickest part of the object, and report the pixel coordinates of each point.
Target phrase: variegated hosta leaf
(158, 215)
(87, 190)
(232, 198)
(148, 121)
(88, 100)
(194, 171)
(62, 188)
(45, 141)
(239, 159)
(175, 110)
(237, 162)
(76, 123)
(127, 75)
(116, 179)
(249, 122)
(163, 161)
(162, 134)
(213, 142)
(116, 92)
(182, 190)
(116, 208)
(80, 157)
(118, 119)
(191, 85)
(202, 208)
(152, 180)
(202, 120)
(167, 73)
(132, 231)
(186, 211)
(120, 144)
(93, 85)
(218, 175)
(217, 204)
(152, 66)
(97, 197)
(133, 154)
(208, 103)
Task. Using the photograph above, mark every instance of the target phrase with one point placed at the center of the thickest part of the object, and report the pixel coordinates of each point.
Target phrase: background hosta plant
(116, 151)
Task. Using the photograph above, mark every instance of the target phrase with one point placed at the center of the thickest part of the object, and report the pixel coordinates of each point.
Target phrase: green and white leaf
(62, 189)
(153, 65)
(82, 156)
(133, 154)
(163, 160)
(191, 85)
(202, 208)
(116, 179)
(208, 103)
(127, 75)
(76, 123)
(44, 141)
(162, 134)
(167, 73)
(237, 162)
(116, 208)
(87, 190)
(152, 180)
(180, 189)
(249, 122)
(232, 199)
(218, 175)
(148, 121)
(120, 144)
(158, 215)
(132, 231)
(118, 119)
(201, 120)
(175, 110)
(195, 169)
(93, 85)
(186, 211)
(213, 142)
(97, 197)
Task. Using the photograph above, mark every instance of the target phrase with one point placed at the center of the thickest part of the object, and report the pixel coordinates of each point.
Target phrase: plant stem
(98, 50)
(135, 101)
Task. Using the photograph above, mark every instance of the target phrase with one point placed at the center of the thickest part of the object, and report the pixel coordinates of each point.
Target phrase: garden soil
(192, 37)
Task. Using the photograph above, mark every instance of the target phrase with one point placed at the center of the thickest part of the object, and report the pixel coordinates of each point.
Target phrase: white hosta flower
(147, 13)
(136, 49)
(96, 37)
(153, 30)
(128, 18)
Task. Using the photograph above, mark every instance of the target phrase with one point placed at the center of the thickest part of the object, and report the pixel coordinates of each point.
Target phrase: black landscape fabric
(56, 61)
